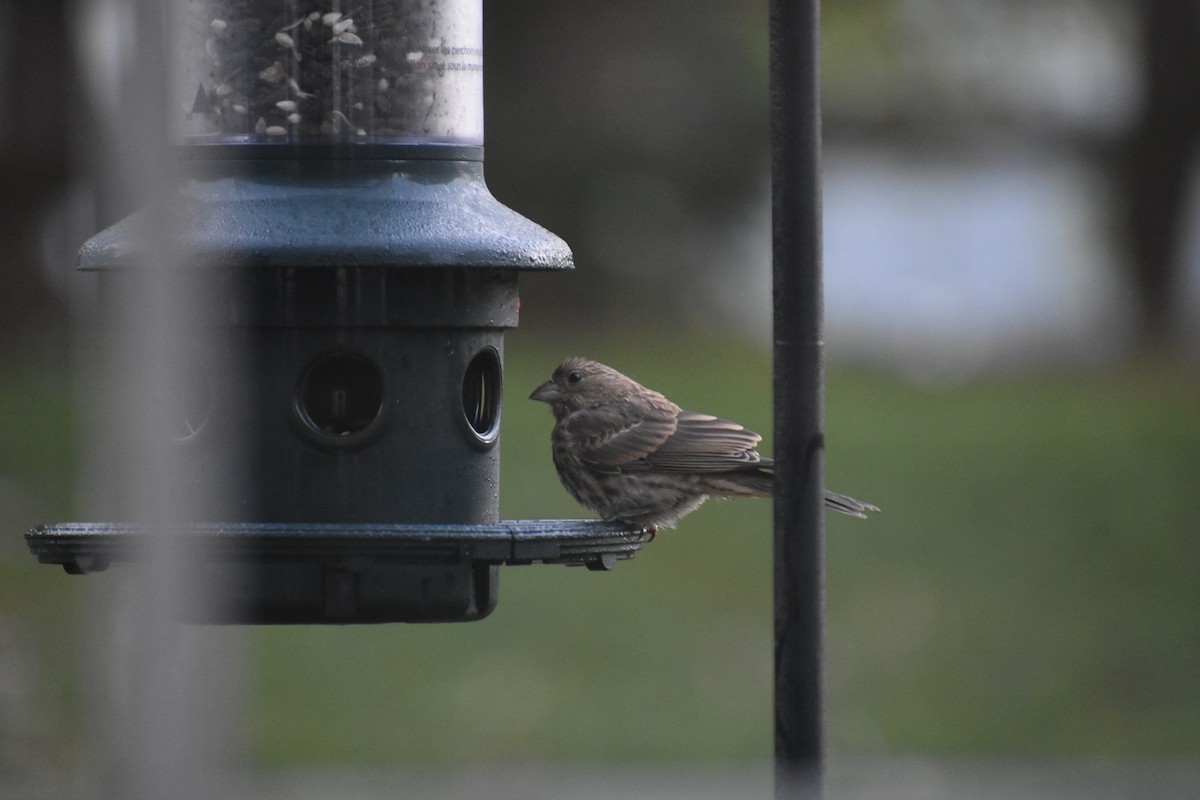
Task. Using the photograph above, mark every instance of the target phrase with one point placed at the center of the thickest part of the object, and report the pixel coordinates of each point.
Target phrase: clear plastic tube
(289, 71)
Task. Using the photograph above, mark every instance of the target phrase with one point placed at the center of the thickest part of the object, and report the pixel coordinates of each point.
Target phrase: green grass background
(1031, 586)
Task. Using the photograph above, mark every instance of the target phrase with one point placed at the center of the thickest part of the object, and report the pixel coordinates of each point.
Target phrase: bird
(632, 456)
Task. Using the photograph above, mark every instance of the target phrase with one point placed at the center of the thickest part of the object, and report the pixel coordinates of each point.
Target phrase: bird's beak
(546, 393)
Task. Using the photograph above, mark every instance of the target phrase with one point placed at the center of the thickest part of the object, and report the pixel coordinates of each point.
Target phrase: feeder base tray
(335, 573)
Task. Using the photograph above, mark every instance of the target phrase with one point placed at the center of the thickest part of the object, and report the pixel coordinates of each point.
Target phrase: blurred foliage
(1034, 591)
(39, 606)
(633, 130)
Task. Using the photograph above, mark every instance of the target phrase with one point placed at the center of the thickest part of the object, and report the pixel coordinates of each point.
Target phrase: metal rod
(799, 400)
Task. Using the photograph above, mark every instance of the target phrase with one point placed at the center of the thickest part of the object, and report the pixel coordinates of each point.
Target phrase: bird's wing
(703, 443)
(608, 438)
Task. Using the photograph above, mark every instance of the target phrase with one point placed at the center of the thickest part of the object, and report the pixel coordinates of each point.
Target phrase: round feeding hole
(341, 394)
(481, 395)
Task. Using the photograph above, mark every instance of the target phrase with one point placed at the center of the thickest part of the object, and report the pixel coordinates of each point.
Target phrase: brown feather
(630, 454)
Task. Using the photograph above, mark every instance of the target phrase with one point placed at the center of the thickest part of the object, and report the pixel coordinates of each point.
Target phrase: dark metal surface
(310, 573)
(93, 546)
(799, 412)
(83, 547)
(343, 370)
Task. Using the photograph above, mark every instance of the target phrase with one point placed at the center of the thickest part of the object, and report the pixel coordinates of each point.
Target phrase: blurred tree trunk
(43, 112)
(1155, 162)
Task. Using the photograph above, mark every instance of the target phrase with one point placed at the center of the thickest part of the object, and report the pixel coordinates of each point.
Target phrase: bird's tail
(848, 505)
(761, 483)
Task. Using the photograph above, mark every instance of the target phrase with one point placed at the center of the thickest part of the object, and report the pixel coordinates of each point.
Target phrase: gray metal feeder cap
(413, 212)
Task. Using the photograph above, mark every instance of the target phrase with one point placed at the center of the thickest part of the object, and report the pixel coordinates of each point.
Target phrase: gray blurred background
(1012, 256)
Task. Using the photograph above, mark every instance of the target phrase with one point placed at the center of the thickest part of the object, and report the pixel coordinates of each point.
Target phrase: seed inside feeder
(396, 69)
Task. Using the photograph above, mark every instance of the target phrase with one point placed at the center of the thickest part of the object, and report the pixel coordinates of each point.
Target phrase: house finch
(630, 454)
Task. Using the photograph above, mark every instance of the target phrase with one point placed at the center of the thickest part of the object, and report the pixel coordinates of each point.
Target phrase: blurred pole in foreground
(799, 402)
(160, 693)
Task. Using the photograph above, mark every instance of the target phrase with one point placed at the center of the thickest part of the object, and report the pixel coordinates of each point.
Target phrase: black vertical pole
(799, 400)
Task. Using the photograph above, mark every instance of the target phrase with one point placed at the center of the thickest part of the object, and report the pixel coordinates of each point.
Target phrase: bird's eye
(574, 377)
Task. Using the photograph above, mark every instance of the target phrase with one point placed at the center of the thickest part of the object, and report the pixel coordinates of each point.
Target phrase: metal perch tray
(340, 573)
(82, 547)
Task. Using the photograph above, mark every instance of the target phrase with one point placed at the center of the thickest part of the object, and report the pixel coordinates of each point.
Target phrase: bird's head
(580, 383)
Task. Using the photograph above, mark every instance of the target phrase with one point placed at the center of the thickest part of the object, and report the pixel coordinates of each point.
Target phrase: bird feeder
(336, 206)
